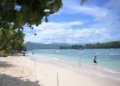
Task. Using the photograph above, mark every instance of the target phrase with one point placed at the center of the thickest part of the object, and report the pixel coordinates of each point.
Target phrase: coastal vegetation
(11, 40)
(14, 14)
(105, 45)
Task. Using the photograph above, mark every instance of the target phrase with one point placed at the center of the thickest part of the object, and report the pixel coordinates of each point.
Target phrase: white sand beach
(23, 71)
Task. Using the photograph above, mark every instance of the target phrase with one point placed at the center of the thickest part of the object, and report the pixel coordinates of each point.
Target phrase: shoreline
(46, 73)
(92, 69)
(105, 59)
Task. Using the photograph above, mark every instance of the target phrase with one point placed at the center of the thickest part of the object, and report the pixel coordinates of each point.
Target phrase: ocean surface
(108, 60)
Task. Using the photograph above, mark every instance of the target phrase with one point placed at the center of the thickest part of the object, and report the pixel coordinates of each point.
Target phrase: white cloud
(65, 33)
(73, 7)
(92, 11)
(112, 20)
(105, 28)
(55, 25)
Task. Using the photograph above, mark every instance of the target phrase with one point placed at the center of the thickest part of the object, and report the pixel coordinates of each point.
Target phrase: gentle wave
(55, 59)
(108, 76)
(108, 73)
(97, 53)
(114, 54)
(111, 71)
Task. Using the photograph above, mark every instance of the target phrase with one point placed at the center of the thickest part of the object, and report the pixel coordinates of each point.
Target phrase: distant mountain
(110, 44)
(30, 45)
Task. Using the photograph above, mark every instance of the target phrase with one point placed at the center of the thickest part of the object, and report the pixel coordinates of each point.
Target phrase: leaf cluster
(30, 11)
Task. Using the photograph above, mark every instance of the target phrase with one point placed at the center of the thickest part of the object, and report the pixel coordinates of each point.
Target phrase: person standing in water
(95, 59)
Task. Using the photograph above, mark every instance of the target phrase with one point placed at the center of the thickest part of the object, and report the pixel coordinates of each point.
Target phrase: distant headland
(104, 45)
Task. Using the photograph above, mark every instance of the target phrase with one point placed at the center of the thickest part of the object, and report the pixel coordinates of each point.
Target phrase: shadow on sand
(5, 64)
(7, 80)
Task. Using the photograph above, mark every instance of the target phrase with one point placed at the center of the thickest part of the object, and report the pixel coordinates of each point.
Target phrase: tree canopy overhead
(30, 11)
(14, 14)
(20, 12)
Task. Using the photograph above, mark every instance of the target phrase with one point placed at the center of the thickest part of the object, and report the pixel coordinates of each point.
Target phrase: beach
(26, 71)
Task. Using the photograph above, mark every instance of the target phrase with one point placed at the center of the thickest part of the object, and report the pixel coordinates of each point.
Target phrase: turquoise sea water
(108, 59)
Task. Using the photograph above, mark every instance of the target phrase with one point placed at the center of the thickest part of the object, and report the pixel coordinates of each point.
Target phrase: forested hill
(111, 44)
(30, 45)
(105, 45)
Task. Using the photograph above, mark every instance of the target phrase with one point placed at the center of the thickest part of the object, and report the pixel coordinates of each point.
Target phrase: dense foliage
(112, 44)
(11, 40)
(31, 12)
(14, 14)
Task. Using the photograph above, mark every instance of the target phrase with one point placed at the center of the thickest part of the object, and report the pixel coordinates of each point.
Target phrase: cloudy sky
(94, 21)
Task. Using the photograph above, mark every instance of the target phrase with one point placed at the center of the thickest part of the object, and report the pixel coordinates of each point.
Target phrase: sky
(94, 21)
